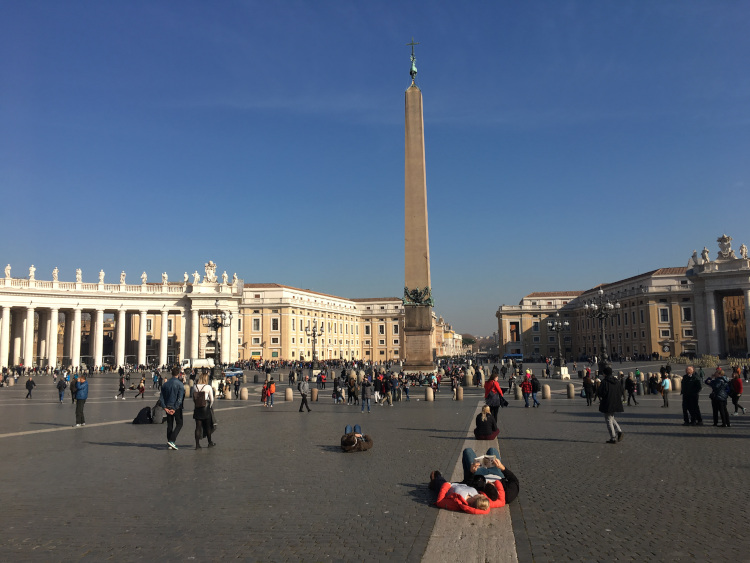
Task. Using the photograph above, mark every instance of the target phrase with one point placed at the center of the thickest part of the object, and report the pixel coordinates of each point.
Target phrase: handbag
(583, 393)
(493, 399)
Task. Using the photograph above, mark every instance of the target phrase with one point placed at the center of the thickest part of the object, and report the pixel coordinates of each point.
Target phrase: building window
(381, 342)
(148, 341)
(256, 341)
(292, 339)
(381, 329)
(293, 324)
(552, 339)
(687, 314)
(395, 341)
(514, 332)
(256, 296)
(535, 339)
(148, 325)
(367, 330)
(688, 333)
(395, 328)
(367, 342)
(643, 334)
(275, 340)
(256, 325)
(169, 325)
(239, 324)
(642, 321)
(665, 333)
(170, 342)
(535, 326)
(632, 315)
(663, 314)
(274, 324)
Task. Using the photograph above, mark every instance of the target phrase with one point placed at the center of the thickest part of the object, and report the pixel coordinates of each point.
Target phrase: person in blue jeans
(354, 441)
(535, 385)
(472, 467)
(366, 393)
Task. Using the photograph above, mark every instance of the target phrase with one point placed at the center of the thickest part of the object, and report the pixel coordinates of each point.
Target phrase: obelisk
(417, 288)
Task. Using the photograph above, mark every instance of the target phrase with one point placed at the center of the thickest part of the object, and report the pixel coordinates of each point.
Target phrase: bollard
(191, 383)
(10, 382)
(571, 391)
(288, 394)
(187, 390)
(314, 394)
(517, 394)
(676, 384)
(255, 378)
(243, 394)
(428, 394)
(459, 393)
(227, 392)
(642, 378)
(639, 388)
(547, 392)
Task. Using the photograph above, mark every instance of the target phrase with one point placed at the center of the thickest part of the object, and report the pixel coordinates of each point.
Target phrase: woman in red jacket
(527, 387)
(735, 391)
(489, 387)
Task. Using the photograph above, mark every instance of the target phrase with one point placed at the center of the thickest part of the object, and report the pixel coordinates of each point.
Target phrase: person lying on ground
(496, 472)
(354, 441)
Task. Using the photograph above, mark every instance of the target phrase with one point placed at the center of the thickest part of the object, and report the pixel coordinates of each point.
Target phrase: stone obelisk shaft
(418, 317)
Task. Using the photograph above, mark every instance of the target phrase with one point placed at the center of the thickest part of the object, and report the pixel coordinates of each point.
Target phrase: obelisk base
(418, 339)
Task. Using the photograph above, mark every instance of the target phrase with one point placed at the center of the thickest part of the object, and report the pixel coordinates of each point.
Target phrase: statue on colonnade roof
(122, 277)
(210, 272)
(79, 275)
(55, 274)
(101, 276)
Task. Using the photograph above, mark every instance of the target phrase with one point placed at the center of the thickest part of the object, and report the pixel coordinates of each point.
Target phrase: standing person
(304, 390)
(588, 388)
(610, 402)
(666, 386)
(630, 388)
(141, 388)
(366, 393)
(30, 384)
(171, 398)
(82, 393)
(526, 388)
(121, 388)
(735, 390)
(203, 396)
(492, 395)
(535, 388)
(691, 387)
(718, 382)
(61, 385)
(386, 393)
(511, 380)
(271, 391)
(73, 389)
(236, 387)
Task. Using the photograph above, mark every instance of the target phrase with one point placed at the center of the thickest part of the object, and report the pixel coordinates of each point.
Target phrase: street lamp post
(558, 326)
(215, 321)
(601, 308)
(314, 334)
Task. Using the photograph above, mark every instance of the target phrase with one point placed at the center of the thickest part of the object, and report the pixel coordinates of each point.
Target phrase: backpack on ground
(144, 416)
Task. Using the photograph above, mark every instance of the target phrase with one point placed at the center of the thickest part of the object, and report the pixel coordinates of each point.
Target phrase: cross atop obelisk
(417, 289)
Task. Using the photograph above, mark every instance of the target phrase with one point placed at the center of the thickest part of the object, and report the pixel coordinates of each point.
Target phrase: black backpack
(535, 385)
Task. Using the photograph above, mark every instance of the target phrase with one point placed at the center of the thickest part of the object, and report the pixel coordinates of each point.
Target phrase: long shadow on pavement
(128, 444)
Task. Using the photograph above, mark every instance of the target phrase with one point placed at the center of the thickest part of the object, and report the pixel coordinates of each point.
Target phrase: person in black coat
(486, 425)
(610, 402)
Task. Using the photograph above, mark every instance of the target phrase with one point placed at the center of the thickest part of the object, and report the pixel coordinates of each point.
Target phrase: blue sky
(568, 143)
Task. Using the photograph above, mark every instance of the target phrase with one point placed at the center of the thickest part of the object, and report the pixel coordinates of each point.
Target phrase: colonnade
(19, 333)
(711, 302)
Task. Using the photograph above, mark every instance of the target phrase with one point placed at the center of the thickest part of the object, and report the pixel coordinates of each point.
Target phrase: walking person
(366, 393)
(141, 389)
(666, 387)
(304, 390)
(588, 389)
(171, 398)
(526, 388)
(82, 393)
(735, 391)
(203, 397)
(271, 391)
(610, 402)
(30, 384)
(630, 388)
(492, 395)
(691, 387)
(121, 388)
(535, 388)
(61, 385)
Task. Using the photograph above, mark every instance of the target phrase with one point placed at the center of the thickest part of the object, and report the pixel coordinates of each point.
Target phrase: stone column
(713, 327)
(183, 321)
(75, 356)
(28, 340)
(142, 337)
(233, 346)
(67, 334)
(99, 337)
(225, 344)
(194, 333)
(747, 318)
(5, 338)
(41, 339)
(52, 339)
(120, 338)
(163, 341)
(17, 337)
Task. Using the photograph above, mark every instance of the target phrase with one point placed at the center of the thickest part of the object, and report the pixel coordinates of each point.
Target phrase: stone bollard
(227, 392)
(428, 394)
(191, 382)
(571, 391)
(255, 378)
(187, 390)
(642, 377)
(459, 393)
(288, 394)
(243, 394)
(517, 394)
(314, 394)
(639, 388)
(547, 392)
(676, 385)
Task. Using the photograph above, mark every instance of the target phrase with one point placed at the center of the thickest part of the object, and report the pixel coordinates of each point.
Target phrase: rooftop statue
(55, 274)
(7, 271)
(144, 278)
(725, 248)
(210, 272)
(32, 270)
(234, 280)
(743, 252)
(413, 69)
(79, 275)
(101, 276)
(705, 256)
(224, 278)
(122, 277)
(164, 278)
(185, 278)
(196, 277)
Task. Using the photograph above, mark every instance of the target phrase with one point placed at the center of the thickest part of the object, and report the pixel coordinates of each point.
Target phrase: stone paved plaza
(277, 487)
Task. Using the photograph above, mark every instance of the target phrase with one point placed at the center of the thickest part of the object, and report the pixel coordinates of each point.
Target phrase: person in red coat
(491, 386)
(527, 387)
(735, 391)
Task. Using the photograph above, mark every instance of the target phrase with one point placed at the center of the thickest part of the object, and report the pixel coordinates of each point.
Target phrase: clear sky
(568, 143)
